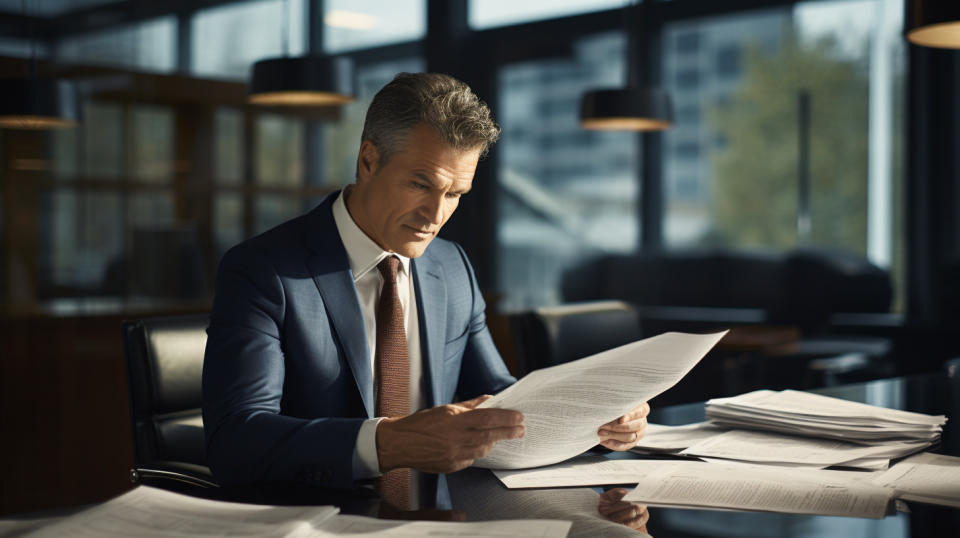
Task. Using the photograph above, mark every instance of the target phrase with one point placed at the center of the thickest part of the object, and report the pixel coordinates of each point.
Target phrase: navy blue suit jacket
(287, 379)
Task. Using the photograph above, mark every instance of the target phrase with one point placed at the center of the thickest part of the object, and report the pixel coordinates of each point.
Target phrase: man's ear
(368, 158)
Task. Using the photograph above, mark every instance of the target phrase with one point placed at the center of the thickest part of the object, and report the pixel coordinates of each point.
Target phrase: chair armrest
(165, 473)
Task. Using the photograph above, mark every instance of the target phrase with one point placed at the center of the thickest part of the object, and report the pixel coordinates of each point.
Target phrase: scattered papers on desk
(690, 484)
(565, 405)
(813, 415)
(147, 511)
(764, 447)
(928, 478)
(672, 439)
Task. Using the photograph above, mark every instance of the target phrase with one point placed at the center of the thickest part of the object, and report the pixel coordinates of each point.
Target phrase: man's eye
(453, 195)
(420, 186)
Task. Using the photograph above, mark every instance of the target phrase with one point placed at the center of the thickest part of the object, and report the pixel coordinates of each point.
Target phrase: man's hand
(445, 438)
(613, 507)
(625, 432)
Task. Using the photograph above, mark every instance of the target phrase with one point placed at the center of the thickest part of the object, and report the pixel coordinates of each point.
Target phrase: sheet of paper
(147, 511)
(660, 438)
(699, 485)
(564, 405)
(931, 478)
(581, 471)
(747, 445)
(358, 527)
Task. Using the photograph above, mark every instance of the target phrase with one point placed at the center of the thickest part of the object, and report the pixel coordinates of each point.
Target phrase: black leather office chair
(164, 366)
(548, 336)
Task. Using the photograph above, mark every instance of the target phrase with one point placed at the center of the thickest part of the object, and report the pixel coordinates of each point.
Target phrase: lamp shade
(629, 109)
(303, 81)
(933, 23)
(37, 103)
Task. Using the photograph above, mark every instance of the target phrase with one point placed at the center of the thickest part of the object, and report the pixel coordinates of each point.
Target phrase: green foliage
(755, 188)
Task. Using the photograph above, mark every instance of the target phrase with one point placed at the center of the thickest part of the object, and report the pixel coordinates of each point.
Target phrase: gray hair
(444, 103)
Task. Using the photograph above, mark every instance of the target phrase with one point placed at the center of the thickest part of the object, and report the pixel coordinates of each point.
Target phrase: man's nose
(432, 209)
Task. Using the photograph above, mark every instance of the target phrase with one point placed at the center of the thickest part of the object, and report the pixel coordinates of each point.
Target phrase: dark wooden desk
(472, 489)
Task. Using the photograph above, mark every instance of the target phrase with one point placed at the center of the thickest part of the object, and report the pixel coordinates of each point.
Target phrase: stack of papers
(813, 415)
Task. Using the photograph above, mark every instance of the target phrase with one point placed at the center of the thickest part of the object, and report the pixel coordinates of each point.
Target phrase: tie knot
(388, 268)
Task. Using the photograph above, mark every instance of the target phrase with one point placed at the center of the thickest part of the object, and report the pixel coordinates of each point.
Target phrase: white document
(686, 484)
(754, 446)
(155, 512)
(929, 478)
(565, 405)
(660, 438)
(147, 511)
(582, 471)
(359, 526)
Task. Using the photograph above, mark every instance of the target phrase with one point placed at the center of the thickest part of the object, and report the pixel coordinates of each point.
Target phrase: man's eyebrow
(423, 176)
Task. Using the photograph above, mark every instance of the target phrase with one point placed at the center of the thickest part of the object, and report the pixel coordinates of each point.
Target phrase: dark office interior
(805, 194)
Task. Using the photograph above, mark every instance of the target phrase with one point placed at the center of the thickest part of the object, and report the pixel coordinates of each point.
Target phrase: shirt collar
(362, 252)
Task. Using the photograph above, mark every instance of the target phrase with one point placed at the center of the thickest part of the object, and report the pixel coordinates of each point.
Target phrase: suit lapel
(432, 312)
(331, 272)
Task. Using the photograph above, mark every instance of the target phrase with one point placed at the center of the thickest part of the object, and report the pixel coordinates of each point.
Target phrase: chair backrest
(554, 335)
(164, 368)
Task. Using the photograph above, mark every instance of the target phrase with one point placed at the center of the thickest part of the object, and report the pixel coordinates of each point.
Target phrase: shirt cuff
(366, 463)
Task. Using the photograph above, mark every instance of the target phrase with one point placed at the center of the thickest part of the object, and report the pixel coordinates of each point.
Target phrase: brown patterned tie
(392, 379)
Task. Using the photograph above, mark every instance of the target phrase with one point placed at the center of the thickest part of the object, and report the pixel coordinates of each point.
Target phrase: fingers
(472, 404)
(618, 445)
(632, 426)
(491, 418)
(637, 413)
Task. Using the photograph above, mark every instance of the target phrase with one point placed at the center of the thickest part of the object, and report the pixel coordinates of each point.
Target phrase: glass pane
(227, 40)
(565, 193)
(229, 158)
(148, 45)
(738, 96)
(102, 140)
(279, 150)
(152, 143)
(227, 221)
(49, 8)
(65, 153)
(356, 24)
(341, 140)
(85, 240)
(150, 210)
(270, 210)
(489, 13)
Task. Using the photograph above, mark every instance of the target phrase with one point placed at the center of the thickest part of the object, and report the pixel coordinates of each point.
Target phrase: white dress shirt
(364, 256)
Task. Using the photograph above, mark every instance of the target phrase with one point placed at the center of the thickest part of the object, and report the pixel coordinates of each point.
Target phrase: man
(328, 330)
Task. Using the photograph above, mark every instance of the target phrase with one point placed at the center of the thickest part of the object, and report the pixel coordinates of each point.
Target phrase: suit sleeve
(482, 370)
(248, 439)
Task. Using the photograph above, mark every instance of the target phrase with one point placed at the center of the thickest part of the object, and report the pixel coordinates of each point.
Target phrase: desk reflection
(481, 495)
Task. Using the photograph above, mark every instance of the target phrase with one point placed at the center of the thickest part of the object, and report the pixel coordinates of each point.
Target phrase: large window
(356, 24)
(149, 46)
(565, 193)
(490, 13)
(227, 40)
(733, 161)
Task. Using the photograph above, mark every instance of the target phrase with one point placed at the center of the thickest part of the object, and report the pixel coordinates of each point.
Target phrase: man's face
(404, 203)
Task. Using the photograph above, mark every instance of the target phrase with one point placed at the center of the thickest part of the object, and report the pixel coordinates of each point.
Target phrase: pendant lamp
(933, 23)
(311, 80)
(303, 81)
(34, 102)
(37, 103)
(634, 108)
